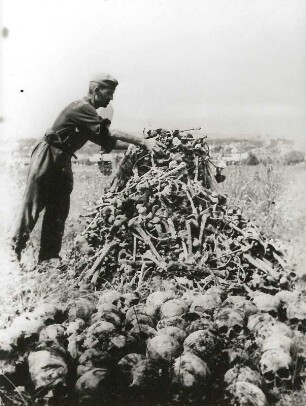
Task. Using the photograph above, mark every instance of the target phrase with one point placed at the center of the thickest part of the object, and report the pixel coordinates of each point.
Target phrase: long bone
(145, 238)
(102, 254)
(257, 263)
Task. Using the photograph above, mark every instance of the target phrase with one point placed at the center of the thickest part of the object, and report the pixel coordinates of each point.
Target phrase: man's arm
(149, 144)
(127, 137)
(90, 124)
(94, 127)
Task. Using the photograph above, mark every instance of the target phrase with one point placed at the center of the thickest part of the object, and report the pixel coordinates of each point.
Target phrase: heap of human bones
(182, 299)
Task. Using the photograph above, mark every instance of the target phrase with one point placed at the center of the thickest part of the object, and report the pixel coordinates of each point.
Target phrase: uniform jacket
(78, 123)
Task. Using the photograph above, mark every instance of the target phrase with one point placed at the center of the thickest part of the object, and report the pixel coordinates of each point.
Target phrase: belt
(55, 140)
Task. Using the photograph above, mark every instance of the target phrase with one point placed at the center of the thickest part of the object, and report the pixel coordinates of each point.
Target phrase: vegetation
(252, 159)
(294, 157)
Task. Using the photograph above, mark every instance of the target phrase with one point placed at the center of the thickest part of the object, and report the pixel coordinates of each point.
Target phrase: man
(50, 179)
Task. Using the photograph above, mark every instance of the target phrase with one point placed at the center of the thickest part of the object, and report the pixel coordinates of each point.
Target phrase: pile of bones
(181, 299)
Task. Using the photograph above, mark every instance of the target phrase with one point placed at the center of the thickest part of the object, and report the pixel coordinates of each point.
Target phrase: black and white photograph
(152, 203)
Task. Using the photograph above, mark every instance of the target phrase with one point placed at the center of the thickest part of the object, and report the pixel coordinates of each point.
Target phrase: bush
(252, 159)
(294, 157)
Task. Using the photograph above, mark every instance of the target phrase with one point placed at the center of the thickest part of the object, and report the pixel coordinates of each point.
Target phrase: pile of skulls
(202, 310)
(166, 348)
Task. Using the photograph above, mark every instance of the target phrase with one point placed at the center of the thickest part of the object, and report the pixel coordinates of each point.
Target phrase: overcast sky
(233, 66)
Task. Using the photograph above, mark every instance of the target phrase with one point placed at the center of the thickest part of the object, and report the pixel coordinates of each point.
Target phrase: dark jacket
(78, 123)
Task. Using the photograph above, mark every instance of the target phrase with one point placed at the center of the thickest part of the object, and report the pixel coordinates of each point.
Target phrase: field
(272, 196)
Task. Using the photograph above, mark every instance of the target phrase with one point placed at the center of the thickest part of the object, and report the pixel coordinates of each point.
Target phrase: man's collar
(90, 101)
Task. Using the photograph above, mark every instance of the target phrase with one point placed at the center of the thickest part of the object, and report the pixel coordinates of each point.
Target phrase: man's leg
(53, 226)
(57, 207)
(34, 197)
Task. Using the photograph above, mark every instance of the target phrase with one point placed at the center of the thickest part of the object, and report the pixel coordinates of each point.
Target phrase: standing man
(50, 179)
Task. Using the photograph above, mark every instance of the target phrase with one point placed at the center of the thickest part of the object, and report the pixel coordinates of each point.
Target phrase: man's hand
(152, 145)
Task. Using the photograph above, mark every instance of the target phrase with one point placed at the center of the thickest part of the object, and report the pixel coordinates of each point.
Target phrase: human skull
(8, 368)
(147, 376)
(108, 312)
(138, 314)
(242, 374)
(6, 349)
(189, 296)
(96, 332)
(278, 342)
(54, 332)
(264, 325)
(129, 361)
(172, 308)
(229, 322)
(240, 303)
(25, 327)
(256, 321)
(190, 372)
(50, 313)
(110, 296)
(82, 246)
(274, 328)
(201, 343)
(75, 326)
(202, 322)
(82, 308)
(91, 359)
(156, 299)
(275, 366)
(163, 348)
(92, 385)
(127, 300)
(267, 303)
(299, 355)
(207, 302)
(140, 308)
(48, 368)
(125, 366)
(175, 321)
(108, 307)
(142, 331)
(246, 394)
(296, 314)
(287, 296)
(174, 332)
(100, 327)
(298, 273)
(118, 345)
(236, 354)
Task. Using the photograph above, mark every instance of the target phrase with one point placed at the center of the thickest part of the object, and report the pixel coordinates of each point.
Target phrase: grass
(273, 197)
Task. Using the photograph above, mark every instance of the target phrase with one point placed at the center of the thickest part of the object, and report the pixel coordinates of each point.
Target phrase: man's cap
(105, 80)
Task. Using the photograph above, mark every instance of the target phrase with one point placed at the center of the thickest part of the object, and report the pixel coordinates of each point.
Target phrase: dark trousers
(49, 186)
